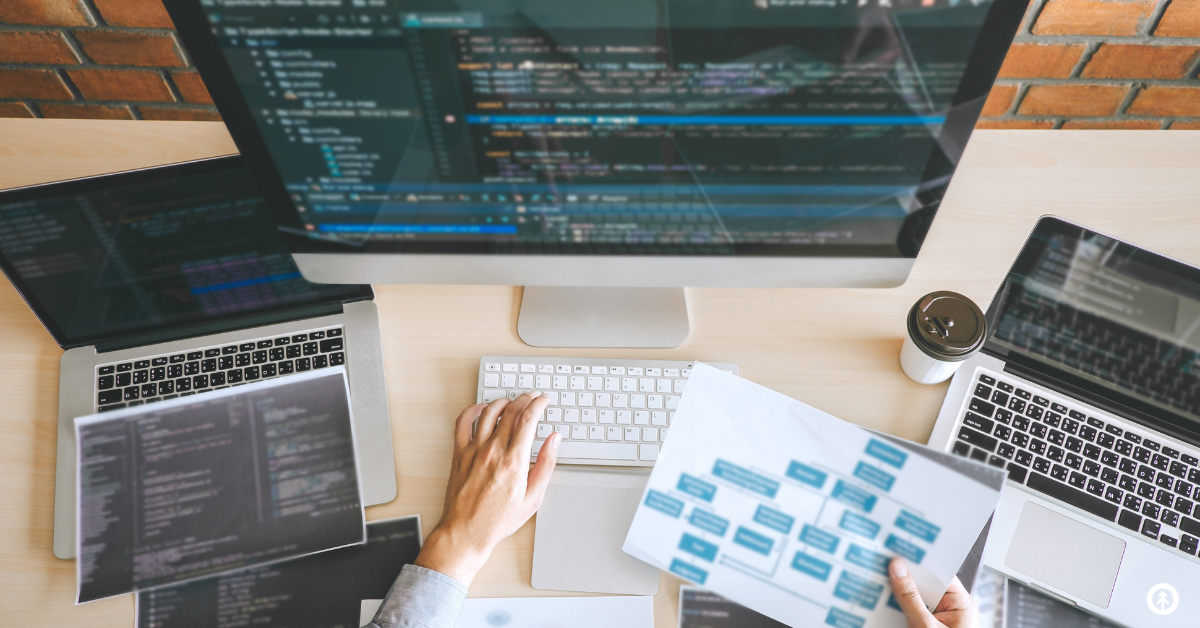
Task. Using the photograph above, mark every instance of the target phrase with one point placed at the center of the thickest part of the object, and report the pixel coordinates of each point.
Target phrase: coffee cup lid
(947, 326)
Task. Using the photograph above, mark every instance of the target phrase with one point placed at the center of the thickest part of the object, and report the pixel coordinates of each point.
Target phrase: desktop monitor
(603, 154)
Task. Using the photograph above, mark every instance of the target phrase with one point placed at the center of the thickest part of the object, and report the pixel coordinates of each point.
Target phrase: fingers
(487, 419)
(539, 475)
(956, 598)
(462, 427)
(512, 413)
(907, 595)
(525, 426)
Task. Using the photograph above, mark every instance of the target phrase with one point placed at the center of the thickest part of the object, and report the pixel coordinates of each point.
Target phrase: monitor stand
(603, 317)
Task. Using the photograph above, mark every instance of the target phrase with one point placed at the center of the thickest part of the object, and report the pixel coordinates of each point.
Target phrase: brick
(1185, 126)
(1072, 100)
(135, 85)
(1134, 61)
(192, 88)
(1091, 17)
(116, 48)
(1015, 124)
(35, 47)
(134, 13)
(15, 110)
(1181, 19)
(44, 13)
(1112, 124)
(39, 84)
(1177, 102)
(179, 113)
(91, 112)
(999, 100)
(1036, 61)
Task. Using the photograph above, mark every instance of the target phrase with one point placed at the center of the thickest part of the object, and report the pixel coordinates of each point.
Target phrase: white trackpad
(580, 529)
(1066, 554)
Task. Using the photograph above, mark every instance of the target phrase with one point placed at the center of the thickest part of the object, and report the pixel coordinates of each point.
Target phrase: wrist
(452, 554)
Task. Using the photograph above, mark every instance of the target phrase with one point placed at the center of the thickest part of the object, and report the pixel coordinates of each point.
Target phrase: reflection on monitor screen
(632, 127)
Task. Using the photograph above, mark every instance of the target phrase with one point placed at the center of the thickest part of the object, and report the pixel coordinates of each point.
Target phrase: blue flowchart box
(698, 547)
(819, 539)
(664, 503)
(917, 526)
(708, 522)
(774, 519)
(690, 572)
(806, 474)
(858, 590)
(753, 540)
(854, 496)
(858, 524)
(839, 618)
(814, 567)
(874, 477)
(696, 487)
(904, 548)
(868, 559)
(886, 453)
(745, 478)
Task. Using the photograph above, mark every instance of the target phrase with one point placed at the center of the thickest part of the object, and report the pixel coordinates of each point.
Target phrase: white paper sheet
(795, 514)
(625, 611)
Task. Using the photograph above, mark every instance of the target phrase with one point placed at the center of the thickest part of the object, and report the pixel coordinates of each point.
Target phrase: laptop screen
(108, 256)
(1117, 318)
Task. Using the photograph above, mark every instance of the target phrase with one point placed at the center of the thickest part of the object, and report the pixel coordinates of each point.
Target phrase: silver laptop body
(1083, 392)
(188, 253)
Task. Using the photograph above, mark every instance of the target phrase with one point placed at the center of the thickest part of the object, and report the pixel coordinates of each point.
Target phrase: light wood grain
(834, 349)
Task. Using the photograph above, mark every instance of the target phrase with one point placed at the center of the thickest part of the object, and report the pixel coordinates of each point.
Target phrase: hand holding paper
(796, 514)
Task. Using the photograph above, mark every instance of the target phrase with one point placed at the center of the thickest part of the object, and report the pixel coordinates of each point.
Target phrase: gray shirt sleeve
(421, 598)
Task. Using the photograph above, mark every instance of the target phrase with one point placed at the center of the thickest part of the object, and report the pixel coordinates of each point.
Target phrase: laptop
(173, 281)
(1088, 392)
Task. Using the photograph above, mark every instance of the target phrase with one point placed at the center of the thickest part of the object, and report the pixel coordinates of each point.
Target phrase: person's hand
(492, 490)
(956, 610)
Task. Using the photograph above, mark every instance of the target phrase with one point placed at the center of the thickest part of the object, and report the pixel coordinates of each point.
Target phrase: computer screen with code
(320, 591)
(678, 127)
(238, 477)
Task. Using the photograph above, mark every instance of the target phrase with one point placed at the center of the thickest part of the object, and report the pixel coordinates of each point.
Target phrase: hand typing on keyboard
(492, 490)
(955, 610)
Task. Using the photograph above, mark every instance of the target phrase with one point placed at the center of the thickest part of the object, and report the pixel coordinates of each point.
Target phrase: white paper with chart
(796, 514)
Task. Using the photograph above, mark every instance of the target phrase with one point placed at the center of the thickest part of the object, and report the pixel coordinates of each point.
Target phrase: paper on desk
(795, 514)
(626, 611)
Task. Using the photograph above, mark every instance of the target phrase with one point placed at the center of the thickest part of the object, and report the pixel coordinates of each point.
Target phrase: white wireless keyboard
(610, 412)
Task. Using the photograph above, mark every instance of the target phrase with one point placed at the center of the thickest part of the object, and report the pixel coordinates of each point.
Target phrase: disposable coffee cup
(944, 328)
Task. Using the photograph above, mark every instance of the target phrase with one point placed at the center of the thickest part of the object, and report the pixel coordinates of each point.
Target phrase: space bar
(1074, 497)
(601, 451)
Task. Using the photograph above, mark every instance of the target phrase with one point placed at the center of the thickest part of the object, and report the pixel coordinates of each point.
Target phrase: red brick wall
(1076, 64)
(116, 59)
(1093, 64)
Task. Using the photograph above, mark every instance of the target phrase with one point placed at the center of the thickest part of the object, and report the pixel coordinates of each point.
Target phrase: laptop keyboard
(1107, 467)
(167, 376)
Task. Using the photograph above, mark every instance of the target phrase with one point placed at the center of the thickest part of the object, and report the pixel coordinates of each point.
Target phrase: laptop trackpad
(1065, 554)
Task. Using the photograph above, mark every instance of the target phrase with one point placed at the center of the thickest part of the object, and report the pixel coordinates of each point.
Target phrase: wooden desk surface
(834, 349)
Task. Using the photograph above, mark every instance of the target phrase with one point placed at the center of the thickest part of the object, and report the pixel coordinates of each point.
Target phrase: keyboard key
(961, 449)
(1132, 502)
(246, 346)
(316, 335)
(1042, 465)
(1160, 462)
(544, 430)
(141, 377)
(1059, 473)
(106, 370)
(1128, 483)
(264, 344)
(276, 355)
(207, 353)
(337, 359)
(649, 452)
(1096, 423)
(319, 362)
(979, 454)
(981, 407)
(268, 370)
(1055, 454)
(1017, 473)
(210, 365)
(293, 351)
(109, 396)
(598, 451)
(299, 338)
(976, 438)
(1178, 469)
(252, 372)
(233, 376)
(1016, 405)
(1024, 394)
(183, 384)
(1006, 451)
(158, 361)
(336, 331)
(191, 368)
(1188, 544)
(996, 461)
(279, 342)
(230, 350)
(242, 359)
(1133, 438)
(1130, 520)
(1150, 528)
(1095, 487)
(158, 373)
(304, 364)
(633, 433)
(1113, 494)
(1169, 517)
(141, 364)
(104, 383)
(983, 392)
(579, 432)
(258, 357)
(1151, 445)
(200, 381)
(1024, 458)
(335, 344)
(1005, 386)
(978, 422)
(166, 388)
(133, 392)
(1072, 496)
(987, 379)
(1109, 475)
(1189, 525)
